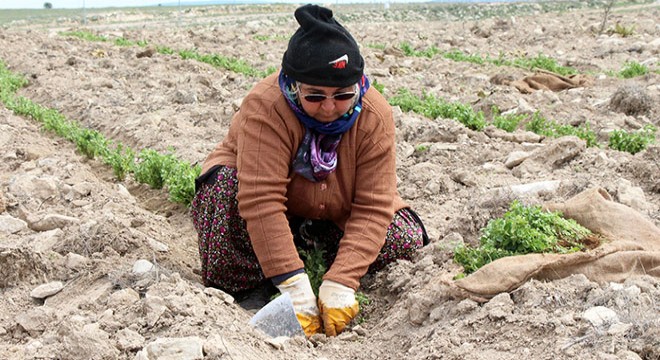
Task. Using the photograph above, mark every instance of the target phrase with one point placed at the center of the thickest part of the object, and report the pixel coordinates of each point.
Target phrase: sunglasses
(316, 98)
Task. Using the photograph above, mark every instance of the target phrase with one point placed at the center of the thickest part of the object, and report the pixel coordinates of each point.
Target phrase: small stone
(188, 348)
(515, 158)
(219, 293)
(142, 266)
(317, 339)
(128, 339)
(600, 316)
(619, 329)
(277, 342)
(46, 290)
(627, 355)
(75, 261)
(11, 225)
(157, 245)
(499, 307)
(45, 241)
(359, 330)
(52, 221)
(348, 336)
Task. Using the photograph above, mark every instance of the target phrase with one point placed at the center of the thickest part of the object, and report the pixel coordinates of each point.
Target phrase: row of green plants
(540, 61)
(629, 70)
(522, 230)
(148, 167)
(433, 107)
(621, 140)
(235, 65)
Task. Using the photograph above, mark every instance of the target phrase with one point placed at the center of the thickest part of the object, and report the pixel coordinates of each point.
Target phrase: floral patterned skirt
(227, 259)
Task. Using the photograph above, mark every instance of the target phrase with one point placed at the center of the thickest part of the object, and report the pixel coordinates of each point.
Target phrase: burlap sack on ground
(543, 80)
(633, 247)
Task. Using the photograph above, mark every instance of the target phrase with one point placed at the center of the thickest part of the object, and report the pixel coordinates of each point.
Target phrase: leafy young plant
(508, 122)
(543, 62)
(85, 35)
(271, 37)
(408, 50)
(457, 55)
(180, 181)
(315, 266)
(92, 143)
(545, 127)
(522, 230)
(432, 107)
(121, 159)
(633, 142)
(623, 30)
(633, 69)
(377, 46)
(422, 147)
(378, 86)
(149, 167)
(363, 301)
(235, 65)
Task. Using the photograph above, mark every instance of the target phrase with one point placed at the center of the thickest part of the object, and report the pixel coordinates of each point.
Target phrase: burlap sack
(633, 248)
(543, 80)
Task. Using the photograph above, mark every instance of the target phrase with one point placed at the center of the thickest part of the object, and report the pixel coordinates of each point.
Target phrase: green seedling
(378, 86)
(545, 127)
(376, 46)
(121, 159)
(508, 122)
(149, 169)
(315, 266)
(633, 69)
(85, 35)
(545, 63)
(633, 142)
(522, 230)
(408, 50)
(422, 148)
(623, 30)
(92, 143)
(363, 301)
(432, 107)
(457, 55)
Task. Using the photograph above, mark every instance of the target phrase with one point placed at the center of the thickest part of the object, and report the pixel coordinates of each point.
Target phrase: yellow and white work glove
(304, 302)
(338, 306)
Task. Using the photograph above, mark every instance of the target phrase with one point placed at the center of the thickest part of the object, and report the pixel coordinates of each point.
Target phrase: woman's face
(328, 109)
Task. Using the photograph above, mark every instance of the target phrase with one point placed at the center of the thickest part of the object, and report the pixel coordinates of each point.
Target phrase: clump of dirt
(631, 99)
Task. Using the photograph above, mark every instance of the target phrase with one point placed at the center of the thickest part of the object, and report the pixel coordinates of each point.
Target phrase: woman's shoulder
(376, 108)
(266, 91)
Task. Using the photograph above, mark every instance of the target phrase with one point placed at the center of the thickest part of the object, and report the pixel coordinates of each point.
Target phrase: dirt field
(66, 222)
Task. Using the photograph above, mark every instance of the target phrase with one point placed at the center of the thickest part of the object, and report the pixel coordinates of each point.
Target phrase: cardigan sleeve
(373, 203)
(263, 154)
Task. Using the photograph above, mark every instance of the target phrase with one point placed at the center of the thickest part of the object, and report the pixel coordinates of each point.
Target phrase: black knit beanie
(322, 52)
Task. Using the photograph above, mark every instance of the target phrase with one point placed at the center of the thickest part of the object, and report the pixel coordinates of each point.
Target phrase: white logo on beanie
(340, 63)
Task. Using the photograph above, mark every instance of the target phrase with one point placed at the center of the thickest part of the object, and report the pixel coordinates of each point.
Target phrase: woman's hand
(338, 306)
(304, 302)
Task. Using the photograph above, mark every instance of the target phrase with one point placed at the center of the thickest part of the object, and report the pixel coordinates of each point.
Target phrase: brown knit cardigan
(360, 196)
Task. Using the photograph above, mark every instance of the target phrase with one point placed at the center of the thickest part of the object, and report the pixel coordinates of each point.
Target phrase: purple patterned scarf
(317, 154)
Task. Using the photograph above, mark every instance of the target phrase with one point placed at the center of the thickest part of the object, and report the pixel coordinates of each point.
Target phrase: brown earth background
(67, 223)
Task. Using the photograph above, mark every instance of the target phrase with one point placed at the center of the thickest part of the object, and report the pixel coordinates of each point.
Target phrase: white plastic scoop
(278, 318)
